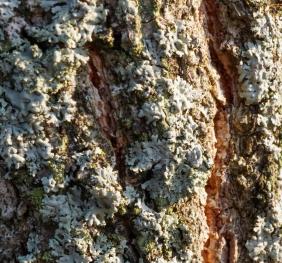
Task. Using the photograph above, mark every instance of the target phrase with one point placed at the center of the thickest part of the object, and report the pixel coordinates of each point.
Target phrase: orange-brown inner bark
(221, 245)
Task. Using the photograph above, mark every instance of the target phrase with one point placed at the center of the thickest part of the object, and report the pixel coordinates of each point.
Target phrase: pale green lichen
(260, 86)
(160, 234)
(43, 60)
(171, 165)
(165, 154)
(106, 197)
(266, 243)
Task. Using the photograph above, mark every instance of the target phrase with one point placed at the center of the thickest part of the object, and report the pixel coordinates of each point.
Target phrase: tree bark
(140, 131)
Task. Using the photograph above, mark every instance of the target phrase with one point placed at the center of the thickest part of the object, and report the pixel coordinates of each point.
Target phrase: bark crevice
(221, 245)
(105, 115)
(105, 111)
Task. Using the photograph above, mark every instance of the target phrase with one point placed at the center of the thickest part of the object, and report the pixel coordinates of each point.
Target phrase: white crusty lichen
(107, 250)
(261, 85)
(266, 243)
(106, 197)
(43, 64)
(103, 193)
(258, 68)
(74, 217)
(173, 155)
(256, 72)
(174, 39)
(162, 232)
(166, 155)
(128, 14)
(33, 95)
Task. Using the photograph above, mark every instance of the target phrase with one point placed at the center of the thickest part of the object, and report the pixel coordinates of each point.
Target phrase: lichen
(109, 132)
(266, 243)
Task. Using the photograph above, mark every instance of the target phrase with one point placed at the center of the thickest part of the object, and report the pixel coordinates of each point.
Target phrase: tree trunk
(140, 131)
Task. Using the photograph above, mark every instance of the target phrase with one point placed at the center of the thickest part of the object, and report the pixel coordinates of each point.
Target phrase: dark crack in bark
(105, 115)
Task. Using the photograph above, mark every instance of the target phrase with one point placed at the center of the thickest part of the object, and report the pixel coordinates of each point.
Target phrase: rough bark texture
(140, 131)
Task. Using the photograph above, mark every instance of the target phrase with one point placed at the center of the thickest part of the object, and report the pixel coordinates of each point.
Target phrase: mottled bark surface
(140, 131)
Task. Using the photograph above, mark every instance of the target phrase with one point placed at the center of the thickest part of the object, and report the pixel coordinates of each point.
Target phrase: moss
(47, 257)
(104, 41)
(162, 127)
(82, 233)
(62, 151)
(122, 209)
(167, 252)
(58, 170)
(147, 246)
(141, 240)
(126, 123)
(36, 196)
(115, 239)
(5, 46)
(149, 9)
(171, 66)
(170, 210)
(272, 172)
(142, 137)
(137, 50)
(99, 158)
(161, 202)
(150, 246)
(137, 211)
(21, 177)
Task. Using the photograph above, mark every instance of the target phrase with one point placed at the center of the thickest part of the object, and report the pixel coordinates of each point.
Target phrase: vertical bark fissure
(105, 108)
(221, 245)
(105, 112)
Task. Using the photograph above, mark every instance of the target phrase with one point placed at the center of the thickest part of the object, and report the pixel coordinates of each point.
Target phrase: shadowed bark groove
(104, 109)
